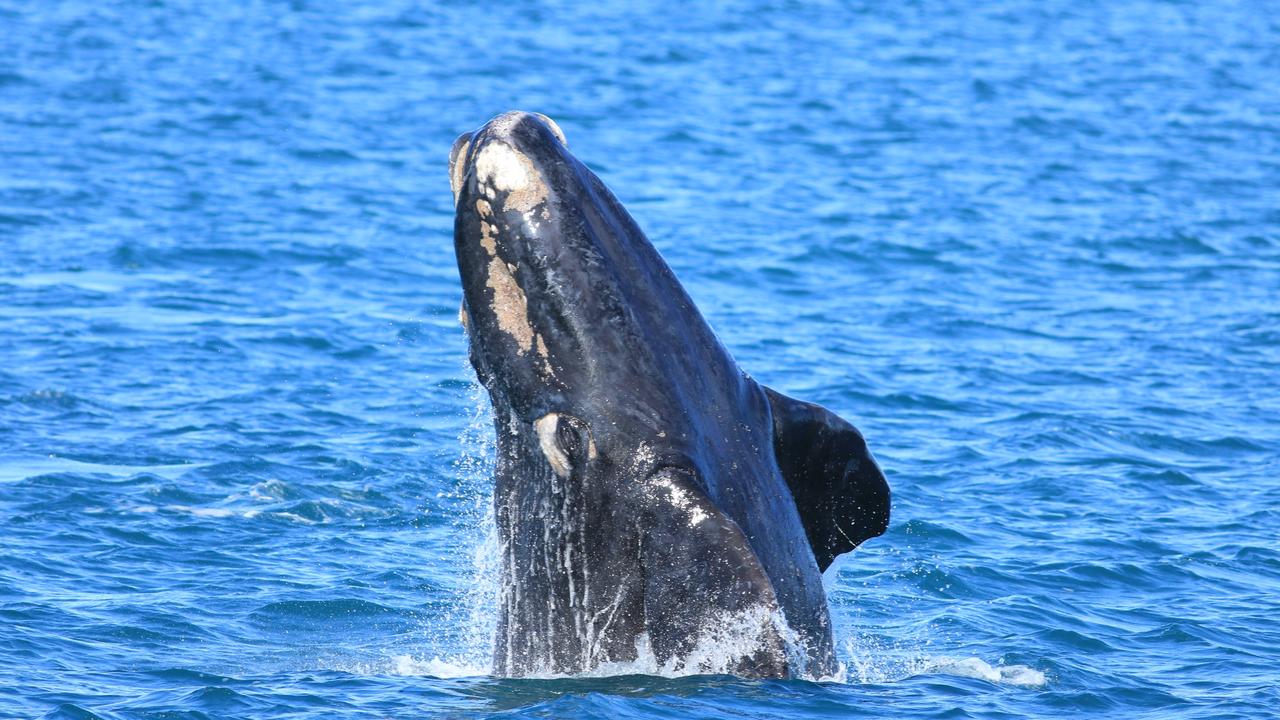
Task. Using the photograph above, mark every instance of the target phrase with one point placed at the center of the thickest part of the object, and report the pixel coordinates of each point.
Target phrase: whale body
(653, 501)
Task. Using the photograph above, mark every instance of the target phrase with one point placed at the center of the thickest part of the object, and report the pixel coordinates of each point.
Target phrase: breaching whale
(653, 502)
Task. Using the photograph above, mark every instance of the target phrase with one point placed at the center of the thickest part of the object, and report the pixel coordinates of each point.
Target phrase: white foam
(719, 649)
(268, 491)
(292, 517)
(873, 661)
(972, 667)
(212, 512)
(407, 665)
(400, 665)
(733, 636)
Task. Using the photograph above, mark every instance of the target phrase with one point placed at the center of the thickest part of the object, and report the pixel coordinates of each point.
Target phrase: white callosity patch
(502, 168)
(488, 237)
(546, 426)
(509, 305)
(457, 171)
(499, 167)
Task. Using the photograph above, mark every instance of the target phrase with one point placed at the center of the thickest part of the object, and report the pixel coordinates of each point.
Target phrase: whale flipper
(838, 488)
(704, 583)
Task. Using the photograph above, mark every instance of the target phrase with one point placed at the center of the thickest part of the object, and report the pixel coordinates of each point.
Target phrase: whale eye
(569, 436)
(565, 441)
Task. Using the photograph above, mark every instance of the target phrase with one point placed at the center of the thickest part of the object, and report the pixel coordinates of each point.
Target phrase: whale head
(572, 315)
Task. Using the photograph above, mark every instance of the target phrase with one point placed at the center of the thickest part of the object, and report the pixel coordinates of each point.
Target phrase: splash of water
(870, 660)
(719, 646)
(463, 636)
(476, 471)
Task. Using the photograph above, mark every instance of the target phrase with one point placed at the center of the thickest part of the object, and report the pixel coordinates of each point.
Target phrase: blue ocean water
(1030, 248)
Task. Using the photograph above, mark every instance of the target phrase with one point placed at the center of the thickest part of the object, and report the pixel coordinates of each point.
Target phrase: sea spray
(460, 639)
(872, 659)
(479, 532)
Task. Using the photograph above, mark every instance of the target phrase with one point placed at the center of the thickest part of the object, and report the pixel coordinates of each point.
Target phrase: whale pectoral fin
(838, 488)
(709, 605)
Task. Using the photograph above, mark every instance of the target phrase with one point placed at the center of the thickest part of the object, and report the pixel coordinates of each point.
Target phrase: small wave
(445, 668)
(72, 712)
(269, 491)
(888, 670)
(972, 667)
(18, 469)
(212, 512)
(870, 661)
(459, 667)
(343, 608)
(306, 512)
(435, 667)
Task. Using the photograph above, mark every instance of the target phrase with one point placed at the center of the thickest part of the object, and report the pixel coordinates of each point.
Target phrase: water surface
(1030, 249)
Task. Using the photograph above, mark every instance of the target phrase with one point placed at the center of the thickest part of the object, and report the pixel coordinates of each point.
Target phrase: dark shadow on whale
(654, 503)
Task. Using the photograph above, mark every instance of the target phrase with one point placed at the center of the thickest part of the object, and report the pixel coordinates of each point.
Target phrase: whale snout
(504, 153)
(509, 182)
(507, 125)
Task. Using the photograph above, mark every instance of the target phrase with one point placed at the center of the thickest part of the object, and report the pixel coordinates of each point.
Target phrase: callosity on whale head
(654, 504)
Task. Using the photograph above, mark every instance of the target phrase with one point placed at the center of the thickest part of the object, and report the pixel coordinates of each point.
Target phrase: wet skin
(650, 497)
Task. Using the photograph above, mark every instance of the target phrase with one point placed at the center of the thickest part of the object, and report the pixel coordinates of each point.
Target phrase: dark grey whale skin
(691, 498)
